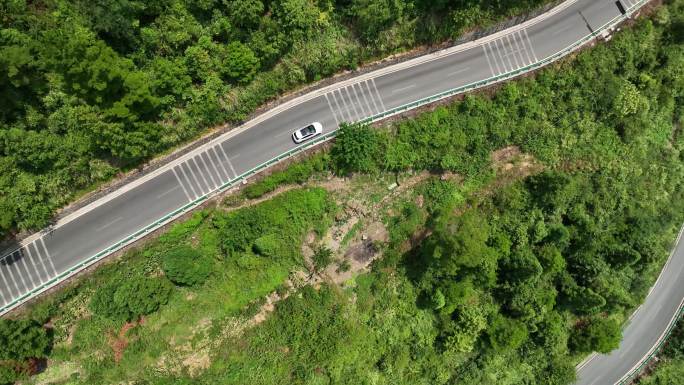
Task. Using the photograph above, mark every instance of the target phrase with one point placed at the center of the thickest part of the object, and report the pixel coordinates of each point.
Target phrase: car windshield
(308, 130)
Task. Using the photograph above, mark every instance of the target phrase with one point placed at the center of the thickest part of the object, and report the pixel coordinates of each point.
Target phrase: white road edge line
(375, 87)
(365, 100)
(206, 167)
(23, 262)
(40, 259)
(362, 106)
(376, 107)
(201, 174)
(230, 164)
(9, 289)
(352, 104)
(212, 162)
(188, 181)
(218, 160)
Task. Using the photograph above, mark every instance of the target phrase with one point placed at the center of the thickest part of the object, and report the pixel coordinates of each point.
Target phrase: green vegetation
(296, 173)
(548, 213)
(92, 88)
(322, 258)
(21, 341)
(669, 369)
(186, 266)
(91, 319)
(130, 298)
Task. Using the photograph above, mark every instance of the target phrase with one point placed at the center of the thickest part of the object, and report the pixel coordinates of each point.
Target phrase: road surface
(45, 257)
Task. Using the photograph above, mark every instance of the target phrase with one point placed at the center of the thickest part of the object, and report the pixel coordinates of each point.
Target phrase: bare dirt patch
(120, 342)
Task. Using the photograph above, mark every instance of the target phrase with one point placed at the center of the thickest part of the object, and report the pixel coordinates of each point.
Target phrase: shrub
(186, 266)
(288, 215)
(357, 149)
(130, 298)
(601, 335)
(322, 258)
(22, 339)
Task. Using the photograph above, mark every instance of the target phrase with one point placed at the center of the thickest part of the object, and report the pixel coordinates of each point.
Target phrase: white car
(307, 132)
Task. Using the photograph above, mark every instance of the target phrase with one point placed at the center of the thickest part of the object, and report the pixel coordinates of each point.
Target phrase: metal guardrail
(323, 138)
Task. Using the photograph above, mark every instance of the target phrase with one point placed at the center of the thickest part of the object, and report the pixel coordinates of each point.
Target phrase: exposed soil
(120, 342)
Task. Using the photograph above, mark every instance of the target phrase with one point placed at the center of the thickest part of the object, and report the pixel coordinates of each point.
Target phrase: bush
(186, 266)
(130, 298)
(357, 149)
(601, 335)
(19, 341)
(322, 258)
(22, 339)
(288, 215)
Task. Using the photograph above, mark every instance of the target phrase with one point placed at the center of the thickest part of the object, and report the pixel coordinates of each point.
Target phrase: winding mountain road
(94, 231)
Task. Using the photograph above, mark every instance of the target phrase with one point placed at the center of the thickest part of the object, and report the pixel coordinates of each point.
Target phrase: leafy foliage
(20, 340)
(356, 149)
(186, 266)
(127, 299)
(296, 173)
(600, 335)
(322, 257)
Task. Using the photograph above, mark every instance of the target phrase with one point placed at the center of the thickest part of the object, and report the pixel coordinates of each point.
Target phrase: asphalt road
(645, 328)
(46, 256)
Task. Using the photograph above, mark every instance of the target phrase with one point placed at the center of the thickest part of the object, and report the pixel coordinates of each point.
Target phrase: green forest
(521, 226)
(92, 88)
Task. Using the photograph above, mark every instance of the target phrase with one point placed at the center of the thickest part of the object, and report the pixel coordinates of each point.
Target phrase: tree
(22, 339)
(373, 16)
(186, 266)
(356, 149)
(297, 18)
(240, 64)
(245, 14)
(600, 335)
(520, 266)
(506, 333)
(21, 81)
(469, 322)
